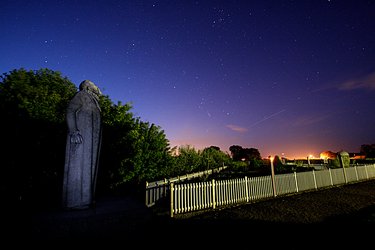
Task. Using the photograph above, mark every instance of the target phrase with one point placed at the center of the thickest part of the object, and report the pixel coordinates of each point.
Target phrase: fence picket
(212, 194)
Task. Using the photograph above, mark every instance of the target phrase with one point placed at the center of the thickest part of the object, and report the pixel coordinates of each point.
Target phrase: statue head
(90, 86)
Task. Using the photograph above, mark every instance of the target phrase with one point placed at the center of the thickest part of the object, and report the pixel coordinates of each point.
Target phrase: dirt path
(345, 213)
(345, 209)
(351, 203)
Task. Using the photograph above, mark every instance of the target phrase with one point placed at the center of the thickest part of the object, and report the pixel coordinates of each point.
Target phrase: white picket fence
(159, 189)
(189, 197)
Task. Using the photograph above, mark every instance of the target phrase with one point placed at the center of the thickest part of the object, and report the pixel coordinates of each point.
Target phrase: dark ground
(343, 211)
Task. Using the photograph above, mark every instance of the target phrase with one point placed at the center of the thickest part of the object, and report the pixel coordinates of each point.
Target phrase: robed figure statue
(82, 147)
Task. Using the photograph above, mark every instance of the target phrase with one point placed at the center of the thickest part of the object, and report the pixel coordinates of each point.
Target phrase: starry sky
(290, 78)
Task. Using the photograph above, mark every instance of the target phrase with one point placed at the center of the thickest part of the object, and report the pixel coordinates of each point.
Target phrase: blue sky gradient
(285, 77)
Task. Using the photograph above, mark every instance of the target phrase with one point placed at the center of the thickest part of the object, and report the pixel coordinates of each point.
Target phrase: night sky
(289, 78)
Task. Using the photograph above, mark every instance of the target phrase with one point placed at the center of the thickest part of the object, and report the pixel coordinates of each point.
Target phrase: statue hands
(76, 137)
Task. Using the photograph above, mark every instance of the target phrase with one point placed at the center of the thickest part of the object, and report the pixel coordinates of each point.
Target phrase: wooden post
(213, 194)
(273, 177)
(172, 191)
(247, 190)
(356, 173)
(146, 198)
(366, 171)
(295, 178)
(316, 186)
(330, 176)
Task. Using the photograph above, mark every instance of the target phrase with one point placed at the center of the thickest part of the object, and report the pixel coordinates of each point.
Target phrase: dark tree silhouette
(368, 150)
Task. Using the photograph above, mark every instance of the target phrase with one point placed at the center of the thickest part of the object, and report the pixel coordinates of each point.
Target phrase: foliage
(239, 166)
(236, 152)
(368, 150)
(38, 95)
(249, 155)
(212, 157)
(117, 122)
(334, 163)
(281, 168)
(244, 154)
(149, 154)
(187, 159)
(132, 151)
(32, 105)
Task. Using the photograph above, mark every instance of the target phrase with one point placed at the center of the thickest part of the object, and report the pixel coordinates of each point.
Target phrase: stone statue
(82, 147)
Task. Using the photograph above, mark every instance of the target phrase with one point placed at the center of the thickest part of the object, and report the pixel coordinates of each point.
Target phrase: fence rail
(188, 197)
(159, 189)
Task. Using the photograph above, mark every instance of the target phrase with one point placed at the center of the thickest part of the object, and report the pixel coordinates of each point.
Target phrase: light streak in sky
(267, 117)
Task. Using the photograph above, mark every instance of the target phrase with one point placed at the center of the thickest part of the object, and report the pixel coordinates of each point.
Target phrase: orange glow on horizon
(286, 151)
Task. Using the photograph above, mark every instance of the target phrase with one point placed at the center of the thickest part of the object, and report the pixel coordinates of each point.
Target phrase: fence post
(295, 178)
(356, 173)
(366, 171)
(316, 186)
(172, 191)
(213, 194)
(247, 190)
(146, 198)
(330, 176)
(273, 177)
(346, 179)
(165, 188)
